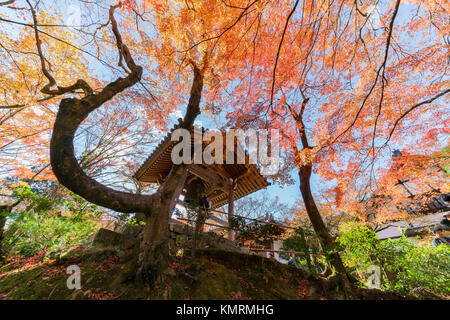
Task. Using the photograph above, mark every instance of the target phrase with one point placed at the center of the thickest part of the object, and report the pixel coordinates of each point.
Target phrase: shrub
(405, 267)
(36, 232)
(50, 225)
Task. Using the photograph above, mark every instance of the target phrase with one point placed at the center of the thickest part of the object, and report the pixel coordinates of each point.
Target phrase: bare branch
(5, 3)
(80, 84)
(382, 67)
(428, 101)
(279, 49)
(72, 112)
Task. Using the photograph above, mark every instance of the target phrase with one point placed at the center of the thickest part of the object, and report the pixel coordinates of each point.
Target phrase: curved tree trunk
(325, 239)
(153, 257)
(304, 171)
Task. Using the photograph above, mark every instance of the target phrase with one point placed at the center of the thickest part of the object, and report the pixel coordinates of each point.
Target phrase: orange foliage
(353, 77)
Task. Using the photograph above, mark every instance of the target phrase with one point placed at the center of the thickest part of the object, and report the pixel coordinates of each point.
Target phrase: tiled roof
(157, 166)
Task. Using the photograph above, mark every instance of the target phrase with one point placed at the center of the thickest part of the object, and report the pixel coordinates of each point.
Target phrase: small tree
(405, 267)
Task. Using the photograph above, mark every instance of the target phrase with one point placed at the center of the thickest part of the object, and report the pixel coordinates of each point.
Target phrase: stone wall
(180, 237)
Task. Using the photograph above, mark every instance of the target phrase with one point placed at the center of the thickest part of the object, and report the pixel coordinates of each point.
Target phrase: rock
(214, 241)
(77, 295)
(181, 240)
(171, 243)
(133, 231)
(180, 235)
(110, 239)
(180, 228)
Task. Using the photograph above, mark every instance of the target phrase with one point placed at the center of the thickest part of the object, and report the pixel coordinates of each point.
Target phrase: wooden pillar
(231, 233)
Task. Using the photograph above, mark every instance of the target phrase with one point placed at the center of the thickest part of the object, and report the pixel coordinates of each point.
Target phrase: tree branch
(430, 100)
(5, 3)
(279, 49)
(80, 84)
(382, 67)
(70, 115)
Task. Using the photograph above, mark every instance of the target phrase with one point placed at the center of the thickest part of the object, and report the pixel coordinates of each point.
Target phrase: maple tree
(340, 80)
(341, 89)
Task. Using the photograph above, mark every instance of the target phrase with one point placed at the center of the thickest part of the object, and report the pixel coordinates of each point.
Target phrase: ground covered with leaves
(212, 274)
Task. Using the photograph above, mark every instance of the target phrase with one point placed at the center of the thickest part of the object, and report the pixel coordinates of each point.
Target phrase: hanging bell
(194, 192)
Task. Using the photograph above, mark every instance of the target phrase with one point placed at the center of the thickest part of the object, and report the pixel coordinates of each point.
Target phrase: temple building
(222, 183)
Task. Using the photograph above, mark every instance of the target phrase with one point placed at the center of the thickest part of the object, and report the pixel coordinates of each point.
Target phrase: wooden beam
(217, 219)
(231, 233)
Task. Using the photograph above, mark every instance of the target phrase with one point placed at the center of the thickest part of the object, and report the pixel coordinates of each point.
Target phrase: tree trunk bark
(231, 234)
(325, 239)
(154, 251)
(304, 172)
(2, 229)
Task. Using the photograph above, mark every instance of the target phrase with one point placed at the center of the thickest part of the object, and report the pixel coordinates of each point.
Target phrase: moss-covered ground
(212, 274)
